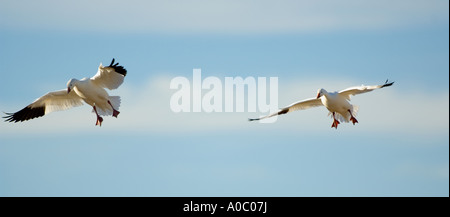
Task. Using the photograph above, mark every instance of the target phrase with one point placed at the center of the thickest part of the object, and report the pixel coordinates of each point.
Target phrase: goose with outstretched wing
(336, 102)
(88, 90)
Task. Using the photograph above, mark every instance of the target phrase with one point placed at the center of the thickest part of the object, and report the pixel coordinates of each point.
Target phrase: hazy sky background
(400, 147)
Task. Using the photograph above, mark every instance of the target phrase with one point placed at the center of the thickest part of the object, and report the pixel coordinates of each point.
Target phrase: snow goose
(337, 103)
(88, 90)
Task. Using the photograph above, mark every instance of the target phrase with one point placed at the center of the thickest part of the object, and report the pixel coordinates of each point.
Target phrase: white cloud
(222, 16)
(147, 109)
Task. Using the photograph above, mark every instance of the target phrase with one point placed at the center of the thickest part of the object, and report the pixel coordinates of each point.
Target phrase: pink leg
(99, 119)
(335, 122)
(353, 119)
(115, 112)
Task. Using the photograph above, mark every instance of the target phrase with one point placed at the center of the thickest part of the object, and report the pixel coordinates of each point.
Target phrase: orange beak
(318, 96)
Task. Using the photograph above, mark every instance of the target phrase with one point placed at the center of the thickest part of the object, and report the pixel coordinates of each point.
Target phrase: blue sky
(399, 147)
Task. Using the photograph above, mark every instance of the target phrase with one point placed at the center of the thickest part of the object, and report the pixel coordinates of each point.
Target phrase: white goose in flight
(336, 102)
(89, 90)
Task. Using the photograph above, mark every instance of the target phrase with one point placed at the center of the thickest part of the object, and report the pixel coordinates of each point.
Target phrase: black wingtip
(8, 116)
(386, 84)
(119, 69)
(25, 114)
